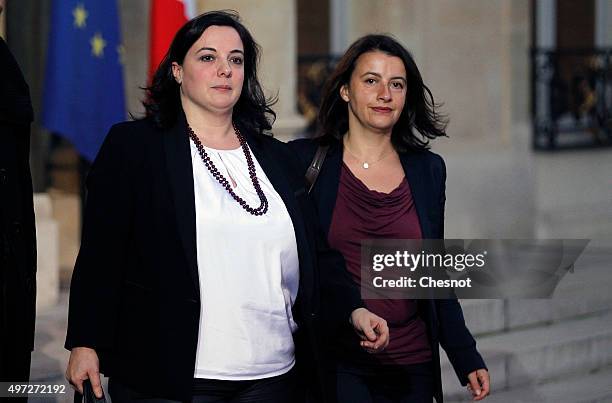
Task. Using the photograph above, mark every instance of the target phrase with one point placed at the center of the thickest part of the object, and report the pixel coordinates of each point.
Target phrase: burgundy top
(361, 213)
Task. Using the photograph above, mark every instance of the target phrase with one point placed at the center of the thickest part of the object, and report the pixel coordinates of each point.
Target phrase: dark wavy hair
(419, 110)
(252, 112)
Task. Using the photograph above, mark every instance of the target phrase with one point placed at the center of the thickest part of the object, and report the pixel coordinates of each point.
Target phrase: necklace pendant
(366, 165)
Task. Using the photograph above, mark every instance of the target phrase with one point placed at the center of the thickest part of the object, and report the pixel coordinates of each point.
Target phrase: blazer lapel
(180, 173)
(417, 179)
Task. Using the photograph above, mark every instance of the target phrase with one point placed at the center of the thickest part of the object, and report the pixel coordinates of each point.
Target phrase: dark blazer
(17, 230)
(135, 296)
(426, 174)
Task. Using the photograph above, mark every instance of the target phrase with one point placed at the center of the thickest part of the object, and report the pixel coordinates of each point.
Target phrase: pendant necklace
(365, 164)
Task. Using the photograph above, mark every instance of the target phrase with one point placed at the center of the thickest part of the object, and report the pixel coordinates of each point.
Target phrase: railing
(571, 98)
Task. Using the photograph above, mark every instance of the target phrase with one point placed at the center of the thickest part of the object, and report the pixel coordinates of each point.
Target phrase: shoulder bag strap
(315, 166)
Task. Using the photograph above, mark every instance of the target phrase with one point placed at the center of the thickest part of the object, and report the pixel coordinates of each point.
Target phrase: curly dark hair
(419, 110)
(252, 112)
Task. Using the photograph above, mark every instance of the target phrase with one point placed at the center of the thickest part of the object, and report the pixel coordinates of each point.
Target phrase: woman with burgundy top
(379, 181)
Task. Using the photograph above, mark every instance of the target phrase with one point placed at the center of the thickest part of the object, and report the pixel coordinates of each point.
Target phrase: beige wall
(273, 24)
(135, 34)
(473, 54)
(274, 30)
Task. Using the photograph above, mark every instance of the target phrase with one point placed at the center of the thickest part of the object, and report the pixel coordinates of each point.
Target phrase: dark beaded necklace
(263, 206)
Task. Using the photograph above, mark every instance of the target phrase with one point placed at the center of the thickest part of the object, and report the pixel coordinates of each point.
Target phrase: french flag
(167, 17)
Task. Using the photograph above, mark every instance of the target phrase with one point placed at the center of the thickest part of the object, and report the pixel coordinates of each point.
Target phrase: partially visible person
(17, 230)
(379, 181)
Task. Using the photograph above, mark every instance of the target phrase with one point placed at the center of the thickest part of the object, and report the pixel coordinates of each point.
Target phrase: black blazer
(426, 174)
(17, 227)
(134, 296)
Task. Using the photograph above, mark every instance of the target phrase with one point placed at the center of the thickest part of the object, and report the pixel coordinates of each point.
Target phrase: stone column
(47, 246)
(338, 31)
(517, 37)
(545, 38)
(273, 25)
(546, 23)
(603, 21)
(135, 39)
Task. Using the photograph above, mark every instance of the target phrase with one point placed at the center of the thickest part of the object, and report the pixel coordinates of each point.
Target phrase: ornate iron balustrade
(571, 100)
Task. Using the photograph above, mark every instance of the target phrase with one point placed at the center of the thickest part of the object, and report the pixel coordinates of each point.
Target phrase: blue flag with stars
(83, 90)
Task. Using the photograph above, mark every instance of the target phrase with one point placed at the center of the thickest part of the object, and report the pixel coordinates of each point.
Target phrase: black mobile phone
(88, 395)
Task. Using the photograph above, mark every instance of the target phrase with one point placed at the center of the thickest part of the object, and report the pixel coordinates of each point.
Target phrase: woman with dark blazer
(378, 180)
(197, 278)
(17, 224)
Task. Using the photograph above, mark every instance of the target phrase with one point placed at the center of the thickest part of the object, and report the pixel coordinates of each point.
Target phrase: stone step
(496, 363)
(594, 387)
(539, 354)
(483, 316)
(586, 291)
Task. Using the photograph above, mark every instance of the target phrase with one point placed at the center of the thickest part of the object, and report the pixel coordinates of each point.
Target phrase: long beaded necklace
(263, 206)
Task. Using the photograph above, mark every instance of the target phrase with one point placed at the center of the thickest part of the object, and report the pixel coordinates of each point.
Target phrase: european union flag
(84, 92)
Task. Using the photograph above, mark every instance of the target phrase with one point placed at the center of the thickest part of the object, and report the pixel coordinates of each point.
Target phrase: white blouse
(249, 274)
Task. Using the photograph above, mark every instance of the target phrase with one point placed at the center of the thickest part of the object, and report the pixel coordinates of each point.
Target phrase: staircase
(547, 350)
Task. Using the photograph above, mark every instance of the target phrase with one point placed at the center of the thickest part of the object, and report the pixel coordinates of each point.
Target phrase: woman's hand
(371, 328)
(84, 364)
(479, 383)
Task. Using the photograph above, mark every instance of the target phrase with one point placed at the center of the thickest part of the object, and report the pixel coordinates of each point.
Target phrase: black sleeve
(340, 296)
(98, 272)
(455, 338)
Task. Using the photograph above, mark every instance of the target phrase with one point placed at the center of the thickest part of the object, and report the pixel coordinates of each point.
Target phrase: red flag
(167, 16)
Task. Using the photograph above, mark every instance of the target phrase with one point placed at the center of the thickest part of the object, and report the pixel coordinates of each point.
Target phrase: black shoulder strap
(315, 166)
